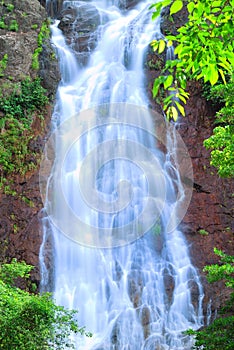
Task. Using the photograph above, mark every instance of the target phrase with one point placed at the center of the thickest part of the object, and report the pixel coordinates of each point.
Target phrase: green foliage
(203, 49)
(27, 97)
(35, 58)
(34, 26)
(30, 321)
(220, 334)
(18, 108)
(10, 7)
(217, 336)
(10, 272)
(43, 34)
(2, 23)
(3, 64)
(14, 27)
(221, 142)
(223, 271)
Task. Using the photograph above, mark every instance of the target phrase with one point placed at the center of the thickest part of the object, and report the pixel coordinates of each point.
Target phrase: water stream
(134, 293)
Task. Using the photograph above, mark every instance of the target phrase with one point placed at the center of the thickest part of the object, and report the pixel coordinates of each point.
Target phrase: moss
(18, 110)
(43, 34)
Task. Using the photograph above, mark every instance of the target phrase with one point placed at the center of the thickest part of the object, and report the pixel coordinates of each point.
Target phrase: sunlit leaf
(155, 87)
(214, 76)
(176, 6)
(174, 113)
(169, 43)
(190, 6)
(161, 46)
(168, 81)
(180, 108)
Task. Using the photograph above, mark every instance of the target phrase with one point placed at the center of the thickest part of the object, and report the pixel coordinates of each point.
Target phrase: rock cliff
(20, 201)
(208, 222)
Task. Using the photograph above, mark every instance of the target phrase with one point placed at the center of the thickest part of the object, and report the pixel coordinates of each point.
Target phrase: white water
(137, 296)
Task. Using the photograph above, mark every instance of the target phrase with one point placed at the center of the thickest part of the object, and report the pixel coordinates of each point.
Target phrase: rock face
(49, 68)
(20, 201)
(208, 222)
(19, 44)
(20, 226)
(209, 219)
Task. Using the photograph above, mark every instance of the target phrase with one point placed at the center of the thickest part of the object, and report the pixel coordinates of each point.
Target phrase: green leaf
(176, 6)
(222, 75)
(174, 113)
(156, 13)
(214, 76)
(161, 46)
(190, 7)
(202, 37)
(180, 108)
(168, 81)
(155, 88)
(154, 45)
(216, 3)
(169, 43)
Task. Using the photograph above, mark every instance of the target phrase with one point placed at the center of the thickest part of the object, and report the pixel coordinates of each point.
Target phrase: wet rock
(135, 286)
(79, 24)
(169, 285)
(145, 320)
(127, 4)
(145, 316)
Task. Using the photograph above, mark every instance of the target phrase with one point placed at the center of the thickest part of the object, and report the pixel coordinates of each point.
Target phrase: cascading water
(139, 292)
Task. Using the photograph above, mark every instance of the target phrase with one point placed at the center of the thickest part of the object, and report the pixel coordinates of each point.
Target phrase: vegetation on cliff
(17, 110)
(221, 142)
(28, 79)
(31, 321)
(203, 51)
(220, 334)
(22, 98)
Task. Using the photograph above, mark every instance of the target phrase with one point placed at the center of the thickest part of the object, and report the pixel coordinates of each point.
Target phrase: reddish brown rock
(20, 200)
(20, 226)
(208, 222)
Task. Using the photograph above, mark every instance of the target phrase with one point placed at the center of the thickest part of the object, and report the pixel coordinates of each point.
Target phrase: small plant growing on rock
(203, 232)
(3, 65)
(14, 27)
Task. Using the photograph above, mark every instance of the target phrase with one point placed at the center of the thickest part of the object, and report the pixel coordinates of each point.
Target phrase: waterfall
(114, 196)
